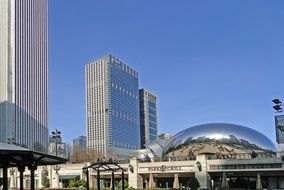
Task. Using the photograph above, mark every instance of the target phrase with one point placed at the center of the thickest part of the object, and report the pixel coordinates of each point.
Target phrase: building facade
(24, 73)
(148, 117)
(80, 142)
(112, 99)
(242, 172)
(216, 155)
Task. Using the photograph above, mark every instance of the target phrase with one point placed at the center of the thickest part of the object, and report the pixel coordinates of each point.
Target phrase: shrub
(77, 183)
(45, 182)
(120, 184)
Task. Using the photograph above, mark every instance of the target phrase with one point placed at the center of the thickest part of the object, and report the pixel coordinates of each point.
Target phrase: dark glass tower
(148, 117)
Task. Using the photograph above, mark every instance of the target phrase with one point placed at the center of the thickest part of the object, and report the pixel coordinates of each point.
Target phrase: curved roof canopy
(13, 156)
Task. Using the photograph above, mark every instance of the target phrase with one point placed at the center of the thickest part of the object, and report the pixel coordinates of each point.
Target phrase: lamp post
(130, 168)
(279, 121)
(199, 166)
(56, 135)
(278, 105)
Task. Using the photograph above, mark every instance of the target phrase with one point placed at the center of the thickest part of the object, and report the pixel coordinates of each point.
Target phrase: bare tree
(84, 155)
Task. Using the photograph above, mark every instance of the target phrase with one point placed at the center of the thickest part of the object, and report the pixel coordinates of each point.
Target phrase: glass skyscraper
(148, 117)
(80, 142)
(112, 99)
(24, 73)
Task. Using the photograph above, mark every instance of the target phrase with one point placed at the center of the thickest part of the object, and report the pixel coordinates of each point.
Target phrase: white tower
(24, 73)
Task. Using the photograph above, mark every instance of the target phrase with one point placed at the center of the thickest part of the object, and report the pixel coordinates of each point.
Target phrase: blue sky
(207, 61)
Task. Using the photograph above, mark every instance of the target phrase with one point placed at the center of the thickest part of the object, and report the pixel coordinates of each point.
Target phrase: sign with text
(164, 168)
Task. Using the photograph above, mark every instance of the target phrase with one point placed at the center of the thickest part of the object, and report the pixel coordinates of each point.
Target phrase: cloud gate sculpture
(219, 139)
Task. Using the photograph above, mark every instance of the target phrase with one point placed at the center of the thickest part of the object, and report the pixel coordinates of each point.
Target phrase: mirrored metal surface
(157, 147)
(217, 138)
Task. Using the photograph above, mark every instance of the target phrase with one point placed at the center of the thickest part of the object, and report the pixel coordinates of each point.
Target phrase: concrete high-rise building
(24, 73)
(112, 99)
(81, 141)
(148, 117)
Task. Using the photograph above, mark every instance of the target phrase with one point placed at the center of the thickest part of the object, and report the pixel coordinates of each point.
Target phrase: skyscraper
(148, 117)
(80, 142)
(24, 73)
(112, 105)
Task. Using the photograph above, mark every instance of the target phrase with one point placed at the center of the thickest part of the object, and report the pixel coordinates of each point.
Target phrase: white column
(134, 179)
(202, 176)
(56, 180)
(12, 178)
(50, 176)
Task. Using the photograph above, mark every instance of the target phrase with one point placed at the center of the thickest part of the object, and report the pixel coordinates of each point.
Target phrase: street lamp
(277, 107)
(279, 121)
(277, 101)
(131, 168)
(56, 135)
(199, 166)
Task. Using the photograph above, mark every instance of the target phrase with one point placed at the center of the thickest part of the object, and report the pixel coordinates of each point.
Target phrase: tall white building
(112, 99)
(24, 73)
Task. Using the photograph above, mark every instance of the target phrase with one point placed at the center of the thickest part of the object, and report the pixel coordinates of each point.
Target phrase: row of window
(153, 132)
(94, 72)
(115, 62)
(152, 125)
(152, 111)
(124, 116)
(152, 118)
(244, 166)
(152, 104)
(117, 87)
(124, 145)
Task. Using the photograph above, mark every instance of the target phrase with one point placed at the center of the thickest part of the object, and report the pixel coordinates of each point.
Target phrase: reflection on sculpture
(220, 139)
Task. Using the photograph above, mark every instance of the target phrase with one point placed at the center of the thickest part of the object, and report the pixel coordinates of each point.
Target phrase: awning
(14, 155)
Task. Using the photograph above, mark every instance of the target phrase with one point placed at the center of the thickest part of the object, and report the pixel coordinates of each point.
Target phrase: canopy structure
(15, 156)
(105, 166)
